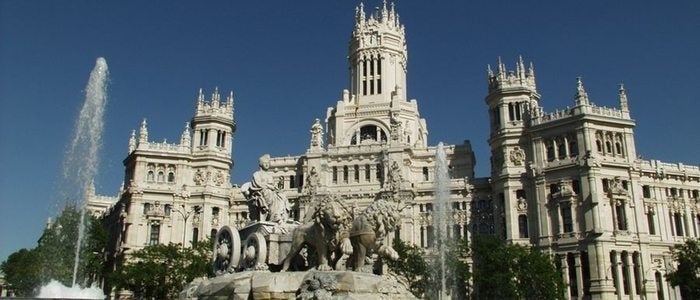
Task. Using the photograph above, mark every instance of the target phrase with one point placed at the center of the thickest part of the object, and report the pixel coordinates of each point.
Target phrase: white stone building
(569, 181)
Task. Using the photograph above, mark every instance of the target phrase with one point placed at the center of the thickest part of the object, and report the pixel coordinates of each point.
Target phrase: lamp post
(185, 215)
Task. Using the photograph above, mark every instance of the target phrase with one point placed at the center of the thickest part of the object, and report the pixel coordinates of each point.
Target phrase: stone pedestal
(297, 285)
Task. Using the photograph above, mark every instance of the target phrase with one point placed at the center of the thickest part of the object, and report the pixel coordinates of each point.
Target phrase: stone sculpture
(266, 201)
(369, 230)
(326, 230)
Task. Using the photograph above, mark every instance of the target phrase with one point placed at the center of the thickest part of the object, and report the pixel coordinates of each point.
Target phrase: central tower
(375, 109)
(377, 56)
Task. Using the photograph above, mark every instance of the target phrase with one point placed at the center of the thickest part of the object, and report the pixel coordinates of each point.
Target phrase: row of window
(156, 173)
(561, 147)
(366, 173)
(154, 234)
(371, 76)
(672, 192)
(204, 137)
(369, 133)
(605, 141)
(516, 112)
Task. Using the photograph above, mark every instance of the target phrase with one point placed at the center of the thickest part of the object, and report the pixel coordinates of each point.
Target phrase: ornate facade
(568, 182)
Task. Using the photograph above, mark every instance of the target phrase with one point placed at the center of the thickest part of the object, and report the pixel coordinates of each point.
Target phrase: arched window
(618, 148)
(161, 177)
(608, 147)
(171, 177)
(150, 177)
(599, 145)
(146, 208)
(168, 209)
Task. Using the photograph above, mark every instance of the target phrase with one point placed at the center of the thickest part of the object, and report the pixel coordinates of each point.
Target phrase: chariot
(258, 246)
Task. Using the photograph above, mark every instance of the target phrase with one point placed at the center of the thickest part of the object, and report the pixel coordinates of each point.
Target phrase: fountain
(81, 159)
(442, 195)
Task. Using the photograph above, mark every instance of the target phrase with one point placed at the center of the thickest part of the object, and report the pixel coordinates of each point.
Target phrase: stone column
(630, 276)
(618, 275)
(565, 273)
(579, 274)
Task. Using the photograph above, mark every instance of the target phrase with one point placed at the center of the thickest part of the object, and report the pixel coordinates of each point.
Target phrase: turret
(511, 95)
(213, 125)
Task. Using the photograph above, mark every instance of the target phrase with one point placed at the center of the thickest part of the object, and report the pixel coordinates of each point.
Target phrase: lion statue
(369, 230)
(326, 230)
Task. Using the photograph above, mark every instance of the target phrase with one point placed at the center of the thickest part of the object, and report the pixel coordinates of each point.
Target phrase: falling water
(82, 159)
(440, 211)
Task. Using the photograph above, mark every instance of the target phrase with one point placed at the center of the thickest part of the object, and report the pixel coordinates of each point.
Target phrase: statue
(266, 200)
(369, 230)
(312, 182)
(316, 134)
(326, 230)
(394, 178)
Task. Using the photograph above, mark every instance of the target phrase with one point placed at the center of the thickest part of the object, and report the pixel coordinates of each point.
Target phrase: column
(630, 275)
(579, 273)
(616, 268)
(565, 273)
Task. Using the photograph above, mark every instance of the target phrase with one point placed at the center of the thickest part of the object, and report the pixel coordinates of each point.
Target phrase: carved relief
(517, 156)
(199, 177)
(219, 178)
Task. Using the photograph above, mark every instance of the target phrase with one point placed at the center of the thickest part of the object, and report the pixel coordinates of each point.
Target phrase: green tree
(507, 271)
(53, 257)
(162, 271)
(687, 273)
(411, 266)
(22, 272)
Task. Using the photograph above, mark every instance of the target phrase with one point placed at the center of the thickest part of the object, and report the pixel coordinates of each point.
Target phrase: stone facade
(568, 182)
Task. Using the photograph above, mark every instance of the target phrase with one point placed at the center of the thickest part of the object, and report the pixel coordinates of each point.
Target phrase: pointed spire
(143, 132)
(132, 141)
(185, 138)
(489, 72)
(215, 97)
(520, 68)
(531, 71)
(624, 105)
(200, 96)
(384, 12)
(581, 95)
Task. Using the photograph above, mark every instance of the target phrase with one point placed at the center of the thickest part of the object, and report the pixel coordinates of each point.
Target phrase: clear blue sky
(286, 62)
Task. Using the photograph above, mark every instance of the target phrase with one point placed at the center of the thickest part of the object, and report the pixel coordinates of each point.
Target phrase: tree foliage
(411, 266)
(22, 272)
(687, 273)
(27, 270)
(506, 271)
(162, 271)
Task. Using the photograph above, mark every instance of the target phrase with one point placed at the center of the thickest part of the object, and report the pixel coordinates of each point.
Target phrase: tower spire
(581, 95)
(185, 138)
(624, 105)
(143, 132)
(132, 141)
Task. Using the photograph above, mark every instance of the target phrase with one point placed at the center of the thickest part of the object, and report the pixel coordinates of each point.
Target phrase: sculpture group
(332, 236)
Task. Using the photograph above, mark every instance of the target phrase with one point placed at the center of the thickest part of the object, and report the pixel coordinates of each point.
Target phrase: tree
(162, 271)
(687, 273)
(411, 266)
(53, 257)
(507, 271)
(22, 272)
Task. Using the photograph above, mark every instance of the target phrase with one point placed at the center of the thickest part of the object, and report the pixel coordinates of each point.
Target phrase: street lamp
(185, 215)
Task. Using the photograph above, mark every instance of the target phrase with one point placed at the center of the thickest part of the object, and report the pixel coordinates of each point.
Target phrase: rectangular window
(195, 234)
(292, 182)
(426, 174)
(650, 221)
(155, 234)
(520, 194)
(380, 173)
(646, 191)
(522, 225)
(335, 174)
(678, 222)
(606, 185)
(357, 173)
(576, 186)
(567, 219)
(215, 211)
(368, 173)
(621, 217)
(345, 174)
(379, 86)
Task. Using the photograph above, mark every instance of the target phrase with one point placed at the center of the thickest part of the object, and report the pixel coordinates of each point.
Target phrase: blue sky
(286, 62)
